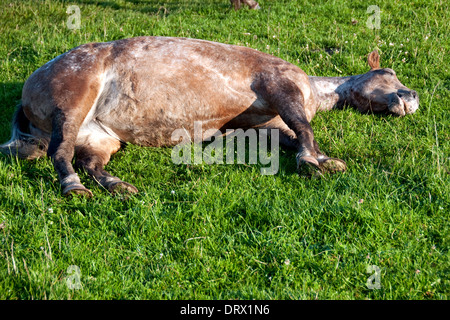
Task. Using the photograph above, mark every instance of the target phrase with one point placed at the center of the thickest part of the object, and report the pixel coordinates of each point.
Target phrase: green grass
(226, 231)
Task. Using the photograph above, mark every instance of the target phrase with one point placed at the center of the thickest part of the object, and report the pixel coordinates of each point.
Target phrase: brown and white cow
(89, 100)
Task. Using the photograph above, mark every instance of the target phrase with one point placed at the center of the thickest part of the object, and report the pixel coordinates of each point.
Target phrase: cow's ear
(374, 60)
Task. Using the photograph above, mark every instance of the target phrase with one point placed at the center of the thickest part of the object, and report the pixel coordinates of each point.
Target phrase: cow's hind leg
(92, 153)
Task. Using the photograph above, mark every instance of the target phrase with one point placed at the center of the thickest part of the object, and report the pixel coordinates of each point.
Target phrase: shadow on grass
(10, 94)
(163, 8)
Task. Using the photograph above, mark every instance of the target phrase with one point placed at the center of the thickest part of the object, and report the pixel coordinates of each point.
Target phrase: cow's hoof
(122, 188)
(309, 167)
(332, 165)
(77, 190)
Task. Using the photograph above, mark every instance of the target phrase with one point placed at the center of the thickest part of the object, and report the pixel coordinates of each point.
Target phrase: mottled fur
(89, 100)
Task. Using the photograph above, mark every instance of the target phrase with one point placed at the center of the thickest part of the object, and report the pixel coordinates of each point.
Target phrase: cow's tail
(23, 144)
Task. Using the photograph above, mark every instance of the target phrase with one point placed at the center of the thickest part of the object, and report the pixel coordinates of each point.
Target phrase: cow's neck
(332, 92)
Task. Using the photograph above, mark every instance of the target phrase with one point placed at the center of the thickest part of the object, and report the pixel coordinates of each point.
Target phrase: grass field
(226, 231)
